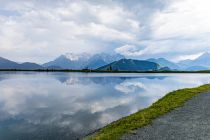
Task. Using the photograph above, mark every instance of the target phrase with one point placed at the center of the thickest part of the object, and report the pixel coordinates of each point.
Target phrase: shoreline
(142, 118)
(189, 122)
(97, 71)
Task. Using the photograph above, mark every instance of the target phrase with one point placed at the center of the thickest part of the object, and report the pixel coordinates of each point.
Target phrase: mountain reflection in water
(53, 106)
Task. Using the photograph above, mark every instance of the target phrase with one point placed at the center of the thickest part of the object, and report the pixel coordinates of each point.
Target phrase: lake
(67, 106)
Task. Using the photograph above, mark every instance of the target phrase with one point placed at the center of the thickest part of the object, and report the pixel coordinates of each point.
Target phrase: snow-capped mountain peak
(83, 60)
(76, 57)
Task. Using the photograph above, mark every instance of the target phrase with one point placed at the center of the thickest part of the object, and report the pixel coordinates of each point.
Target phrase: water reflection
(69, 105)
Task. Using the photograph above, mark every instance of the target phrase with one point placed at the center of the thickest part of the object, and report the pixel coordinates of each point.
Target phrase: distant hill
(102, 59)
(8, 64)
(164, 63)
(53, 68)
(131, 65)
(196, 68)
(201, 63)
(66, 62)
(164, 69)
(29, 66)
(82, 61)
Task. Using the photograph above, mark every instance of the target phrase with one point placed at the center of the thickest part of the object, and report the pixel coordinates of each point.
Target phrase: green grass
(144, 117)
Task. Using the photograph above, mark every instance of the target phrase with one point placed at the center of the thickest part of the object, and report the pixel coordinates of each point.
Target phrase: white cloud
(41, 30)
(152, 48)
(178, 31)
(129, 50)
(182, 18)
(185, 57)
(129, 87)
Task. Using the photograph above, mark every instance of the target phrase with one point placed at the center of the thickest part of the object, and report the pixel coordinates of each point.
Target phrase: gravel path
(190, 122)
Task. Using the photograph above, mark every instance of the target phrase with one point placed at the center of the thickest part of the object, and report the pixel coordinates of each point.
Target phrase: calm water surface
(67, 106)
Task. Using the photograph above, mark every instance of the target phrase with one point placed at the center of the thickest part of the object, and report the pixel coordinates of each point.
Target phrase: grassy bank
(144, 117)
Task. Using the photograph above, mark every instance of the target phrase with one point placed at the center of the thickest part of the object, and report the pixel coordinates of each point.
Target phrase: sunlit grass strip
(144, 117)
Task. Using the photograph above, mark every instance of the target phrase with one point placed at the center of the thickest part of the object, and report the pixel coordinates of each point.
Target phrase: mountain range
(164, 63)
(105, 61)
(7, 64)
(201, 63)
(83, 61)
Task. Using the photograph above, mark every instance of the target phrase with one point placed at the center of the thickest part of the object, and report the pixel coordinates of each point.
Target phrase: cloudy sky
(40, 30)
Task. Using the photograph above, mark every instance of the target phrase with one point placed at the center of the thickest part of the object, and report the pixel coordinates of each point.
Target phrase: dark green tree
(110, 68)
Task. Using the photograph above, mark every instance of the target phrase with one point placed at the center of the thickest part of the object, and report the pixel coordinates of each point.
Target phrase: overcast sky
(40, 30)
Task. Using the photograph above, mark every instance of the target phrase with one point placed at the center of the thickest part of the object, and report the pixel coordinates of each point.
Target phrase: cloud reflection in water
(70, 105)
